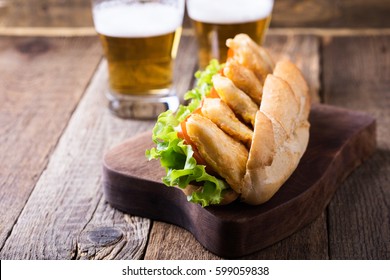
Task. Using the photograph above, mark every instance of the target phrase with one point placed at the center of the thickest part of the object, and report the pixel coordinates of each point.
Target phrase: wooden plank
(66, 216)
(334, 13)
(310, 243)
(171, 242)
(66, 211)
(48, 31)
(186, 65)
(286, 13)
(45, 13)
(41, 82)
(357, 75)
(326, 32)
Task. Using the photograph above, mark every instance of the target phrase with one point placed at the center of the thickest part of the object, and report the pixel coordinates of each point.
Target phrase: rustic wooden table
(55, 128)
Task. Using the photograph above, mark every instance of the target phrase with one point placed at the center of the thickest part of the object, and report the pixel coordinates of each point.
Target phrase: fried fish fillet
(220, 113)
(244, 79)
(235, 98)
(227, 156)
(250, 55)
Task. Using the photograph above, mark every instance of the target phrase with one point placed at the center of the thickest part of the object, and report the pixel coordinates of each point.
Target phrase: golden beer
(141, 65)
(216, 21)
(140, 41)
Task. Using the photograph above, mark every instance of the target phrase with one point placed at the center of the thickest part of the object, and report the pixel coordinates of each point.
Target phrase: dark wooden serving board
(340, 140)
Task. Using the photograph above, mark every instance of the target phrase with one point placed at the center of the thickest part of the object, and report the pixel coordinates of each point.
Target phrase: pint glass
(140, 40)
(217, 20)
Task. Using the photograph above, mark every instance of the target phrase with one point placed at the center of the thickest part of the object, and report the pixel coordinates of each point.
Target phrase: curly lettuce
(176, 156)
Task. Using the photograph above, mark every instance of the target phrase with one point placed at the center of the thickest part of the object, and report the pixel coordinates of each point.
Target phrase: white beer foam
(229, 11)
(118, 19)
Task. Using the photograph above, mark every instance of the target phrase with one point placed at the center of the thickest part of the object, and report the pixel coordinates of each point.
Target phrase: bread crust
(287, 71)
(284, 109)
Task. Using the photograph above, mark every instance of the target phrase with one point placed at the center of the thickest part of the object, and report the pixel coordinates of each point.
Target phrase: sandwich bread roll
(280, 124)
(252, 129)
(280, 136)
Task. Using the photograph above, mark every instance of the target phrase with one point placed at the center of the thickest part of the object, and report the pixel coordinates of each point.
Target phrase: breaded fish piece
(238, 101)
(244, 79)
(252, 56)
(220, 113)
(225, 155)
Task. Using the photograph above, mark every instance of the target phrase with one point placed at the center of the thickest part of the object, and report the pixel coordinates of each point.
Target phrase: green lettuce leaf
(177, 157)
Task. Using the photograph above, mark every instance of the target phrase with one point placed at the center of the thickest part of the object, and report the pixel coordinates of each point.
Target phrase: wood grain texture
(294, 47)
(41, 82)
(65, 213)
(357, 75)
(286, 14)
(309, 243)
(331, 13)
(186, 64)
(45, 13)
(47, 31)
(66, 216)
(175, 243)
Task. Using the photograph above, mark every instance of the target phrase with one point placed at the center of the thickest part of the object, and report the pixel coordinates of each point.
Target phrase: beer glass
(217, 20)
(140, 40)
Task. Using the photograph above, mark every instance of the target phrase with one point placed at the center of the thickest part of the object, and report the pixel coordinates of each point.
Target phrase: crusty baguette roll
(279, 139)
(281, 134)
(245, 136)
(280, 125)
